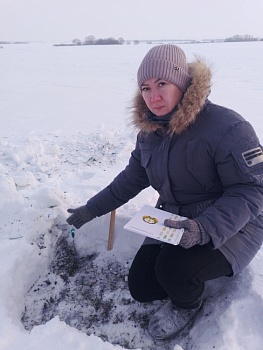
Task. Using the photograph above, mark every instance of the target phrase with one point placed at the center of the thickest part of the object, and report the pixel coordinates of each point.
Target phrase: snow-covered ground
(64, 136)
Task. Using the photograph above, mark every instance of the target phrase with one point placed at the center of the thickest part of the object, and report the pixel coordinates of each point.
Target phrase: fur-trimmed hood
(192, 103)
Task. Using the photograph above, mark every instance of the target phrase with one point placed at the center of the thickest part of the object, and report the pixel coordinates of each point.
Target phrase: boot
(170, 320)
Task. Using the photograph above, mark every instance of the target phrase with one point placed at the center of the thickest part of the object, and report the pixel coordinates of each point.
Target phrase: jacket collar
(188, 109)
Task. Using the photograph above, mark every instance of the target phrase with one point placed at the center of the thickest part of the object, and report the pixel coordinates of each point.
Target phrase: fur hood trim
(191, 104)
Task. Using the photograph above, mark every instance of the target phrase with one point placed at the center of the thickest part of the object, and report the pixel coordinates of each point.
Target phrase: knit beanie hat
(166, 62)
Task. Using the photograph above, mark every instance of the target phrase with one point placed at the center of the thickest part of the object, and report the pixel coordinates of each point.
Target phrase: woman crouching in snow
(206, 163)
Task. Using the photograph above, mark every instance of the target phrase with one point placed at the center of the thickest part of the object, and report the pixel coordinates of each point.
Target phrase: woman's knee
(176, 278)
(168, 267)
(134, 284)
(142, 281)
(136, 291)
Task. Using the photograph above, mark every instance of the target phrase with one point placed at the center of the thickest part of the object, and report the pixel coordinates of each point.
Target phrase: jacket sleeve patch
(248, 157)
(253, 156)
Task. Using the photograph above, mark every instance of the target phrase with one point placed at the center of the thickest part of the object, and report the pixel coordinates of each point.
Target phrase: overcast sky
(65, 20)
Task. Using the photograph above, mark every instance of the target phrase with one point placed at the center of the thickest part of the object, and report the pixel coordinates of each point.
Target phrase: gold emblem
(149, 219)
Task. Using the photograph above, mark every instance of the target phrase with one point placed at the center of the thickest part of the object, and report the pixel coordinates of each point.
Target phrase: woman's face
(160, 96)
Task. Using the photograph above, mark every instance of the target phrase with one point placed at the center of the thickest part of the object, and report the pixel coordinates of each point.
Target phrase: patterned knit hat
(166, 62)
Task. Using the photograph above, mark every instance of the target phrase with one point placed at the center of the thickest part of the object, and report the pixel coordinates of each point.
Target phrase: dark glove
(80, 216)
(194, 233)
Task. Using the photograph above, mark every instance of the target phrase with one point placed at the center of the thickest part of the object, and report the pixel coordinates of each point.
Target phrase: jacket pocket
(145, 158)
(201, 165)
(148, 162)
(146, 153)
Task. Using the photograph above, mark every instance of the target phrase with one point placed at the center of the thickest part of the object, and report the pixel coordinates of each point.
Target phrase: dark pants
(161, 271)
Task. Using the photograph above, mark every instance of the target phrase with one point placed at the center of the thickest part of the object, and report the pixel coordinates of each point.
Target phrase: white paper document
(149, 221)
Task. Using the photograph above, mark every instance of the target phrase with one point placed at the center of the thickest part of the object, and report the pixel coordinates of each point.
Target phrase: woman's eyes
(147, 88)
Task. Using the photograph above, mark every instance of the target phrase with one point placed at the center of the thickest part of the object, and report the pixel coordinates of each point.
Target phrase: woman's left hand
(194, 233)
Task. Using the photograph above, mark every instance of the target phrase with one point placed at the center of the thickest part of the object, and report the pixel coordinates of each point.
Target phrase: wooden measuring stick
(111, 229)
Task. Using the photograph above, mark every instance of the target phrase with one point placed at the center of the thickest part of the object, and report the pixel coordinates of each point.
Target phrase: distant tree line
(13, 42)
(240, 38)
(91, 40)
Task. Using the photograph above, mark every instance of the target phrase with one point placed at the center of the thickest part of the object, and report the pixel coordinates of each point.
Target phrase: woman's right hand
(79, 217)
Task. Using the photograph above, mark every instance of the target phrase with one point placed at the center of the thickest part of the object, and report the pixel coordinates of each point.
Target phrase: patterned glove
(80, 216)
(194, 233)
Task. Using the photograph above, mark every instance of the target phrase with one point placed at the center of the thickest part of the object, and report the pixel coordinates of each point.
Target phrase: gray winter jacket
(206, 164)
